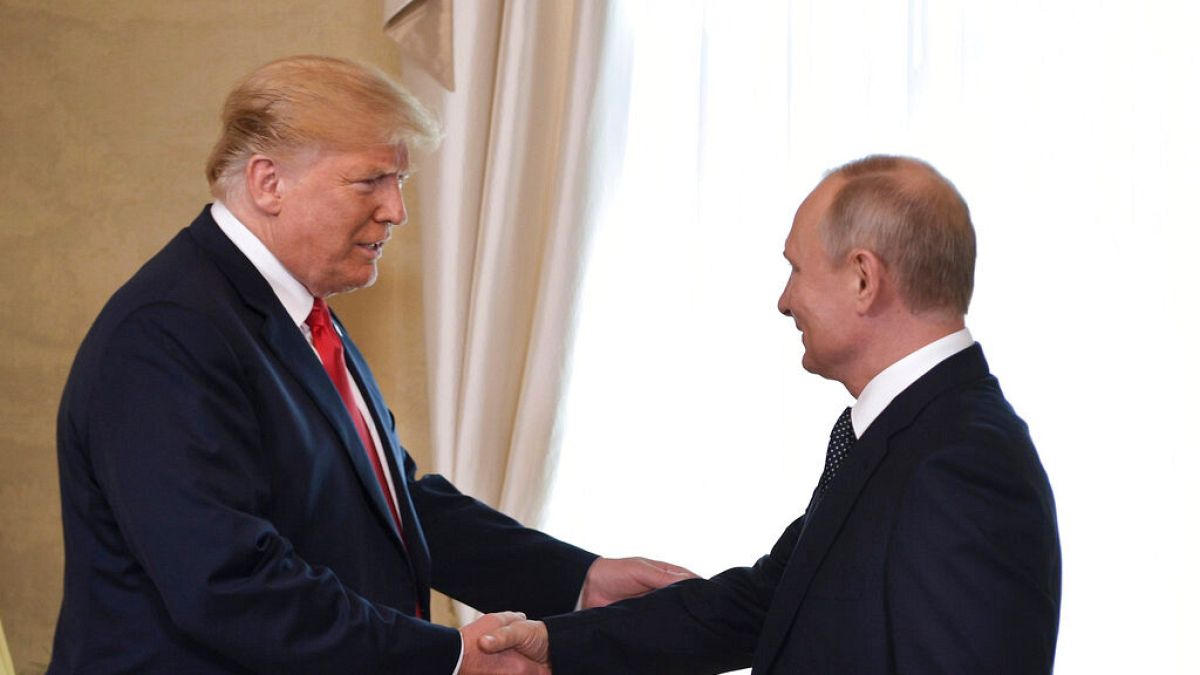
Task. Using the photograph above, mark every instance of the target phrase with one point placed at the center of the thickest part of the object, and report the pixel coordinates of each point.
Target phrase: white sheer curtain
(505, 207)
(690, 430)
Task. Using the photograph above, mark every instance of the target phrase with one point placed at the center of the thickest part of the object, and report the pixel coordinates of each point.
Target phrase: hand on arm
(488, 643)
(612, 579)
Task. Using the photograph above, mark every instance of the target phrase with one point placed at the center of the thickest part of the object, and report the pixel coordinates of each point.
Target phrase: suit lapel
(414, 536)
(826, 517)
(822, 524)
(298, 357)
(281, 336)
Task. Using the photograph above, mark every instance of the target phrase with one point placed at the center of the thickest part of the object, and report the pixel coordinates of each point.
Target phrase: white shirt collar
(295, 297)
(888, 384)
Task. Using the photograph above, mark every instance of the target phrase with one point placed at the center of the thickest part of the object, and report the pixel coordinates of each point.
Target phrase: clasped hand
(504, 644)
(524, 637)
(507, 642)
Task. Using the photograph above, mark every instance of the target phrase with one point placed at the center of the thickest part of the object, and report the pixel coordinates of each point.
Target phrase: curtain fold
(425, 31)
(6, 664)
(505, 206)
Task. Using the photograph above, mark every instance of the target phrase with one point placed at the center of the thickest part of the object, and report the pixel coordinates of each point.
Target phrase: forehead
(365, 159)
(385, 157)
(803, 235)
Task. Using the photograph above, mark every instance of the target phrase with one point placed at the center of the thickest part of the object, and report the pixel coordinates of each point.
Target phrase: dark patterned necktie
(841, 439)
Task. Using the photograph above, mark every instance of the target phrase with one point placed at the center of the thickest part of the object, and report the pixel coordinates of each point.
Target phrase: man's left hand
(611, 579)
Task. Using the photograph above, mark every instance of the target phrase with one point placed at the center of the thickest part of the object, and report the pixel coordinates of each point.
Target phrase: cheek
(343, 228)
(805, 300)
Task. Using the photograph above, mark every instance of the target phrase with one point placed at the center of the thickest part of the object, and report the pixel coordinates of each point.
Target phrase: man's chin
(810, 365)
(354, 285)
(370, 280)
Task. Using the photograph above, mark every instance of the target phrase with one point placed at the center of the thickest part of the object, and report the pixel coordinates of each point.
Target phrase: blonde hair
(313, 101)
(915, 220)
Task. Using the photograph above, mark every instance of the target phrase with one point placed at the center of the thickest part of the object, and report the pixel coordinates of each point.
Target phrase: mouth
(374, 248)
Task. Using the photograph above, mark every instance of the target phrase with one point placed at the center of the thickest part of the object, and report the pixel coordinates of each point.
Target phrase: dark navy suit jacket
(220, 514)
(935, 550)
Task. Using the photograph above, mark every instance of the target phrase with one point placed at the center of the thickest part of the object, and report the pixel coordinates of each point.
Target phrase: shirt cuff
(462, 648)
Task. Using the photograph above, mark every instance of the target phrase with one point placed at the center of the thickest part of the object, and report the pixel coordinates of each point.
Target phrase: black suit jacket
(935, 550)
(221, 516)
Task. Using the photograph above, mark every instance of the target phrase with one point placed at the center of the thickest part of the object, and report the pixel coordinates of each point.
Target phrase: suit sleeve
(971, 560)
(490, 561)
(174, 441)
(690, 628)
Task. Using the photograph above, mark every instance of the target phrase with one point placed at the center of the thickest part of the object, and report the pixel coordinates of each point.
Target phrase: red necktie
(329, 347)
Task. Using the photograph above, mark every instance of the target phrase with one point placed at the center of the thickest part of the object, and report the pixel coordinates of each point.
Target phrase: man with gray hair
(930, 544)
(235, 499)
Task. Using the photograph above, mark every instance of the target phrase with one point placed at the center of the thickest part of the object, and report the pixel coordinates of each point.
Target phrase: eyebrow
(373, 173)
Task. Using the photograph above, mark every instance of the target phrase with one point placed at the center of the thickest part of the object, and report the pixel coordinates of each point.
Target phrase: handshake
(506, 643)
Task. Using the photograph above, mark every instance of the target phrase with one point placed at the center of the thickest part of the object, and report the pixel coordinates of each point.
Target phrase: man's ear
(870, 279)
(264, 184)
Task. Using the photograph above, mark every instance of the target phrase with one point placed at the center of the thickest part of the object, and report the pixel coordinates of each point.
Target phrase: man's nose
(392, 209)
(783, 309)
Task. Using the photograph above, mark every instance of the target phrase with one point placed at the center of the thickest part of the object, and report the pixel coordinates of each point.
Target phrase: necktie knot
(319, 316)
(841, 440)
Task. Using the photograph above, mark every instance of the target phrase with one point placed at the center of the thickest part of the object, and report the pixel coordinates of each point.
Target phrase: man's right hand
(528, 638)
(489, 657)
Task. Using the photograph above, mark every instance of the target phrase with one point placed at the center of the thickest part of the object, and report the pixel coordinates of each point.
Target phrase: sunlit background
(690, 431)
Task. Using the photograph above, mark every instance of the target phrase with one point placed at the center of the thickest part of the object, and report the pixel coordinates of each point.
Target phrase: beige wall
(107, 111)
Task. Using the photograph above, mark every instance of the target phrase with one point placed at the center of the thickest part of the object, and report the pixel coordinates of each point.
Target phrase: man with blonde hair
(235, 499)
(930, 544)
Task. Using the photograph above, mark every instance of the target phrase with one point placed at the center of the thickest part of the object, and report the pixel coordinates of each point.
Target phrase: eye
(372, 182)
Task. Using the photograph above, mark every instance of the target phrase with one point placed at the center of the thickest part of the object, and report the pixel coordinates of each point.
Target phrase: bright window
(690, 431)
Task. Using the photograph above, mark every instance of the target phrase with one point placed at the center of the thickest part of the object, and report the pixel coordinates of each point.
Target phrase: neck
(896, 340)
(248, 216)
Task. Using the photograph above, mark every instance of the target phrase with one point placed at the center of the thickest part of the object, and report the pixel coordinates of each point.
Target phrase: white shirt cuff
(462, 648)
